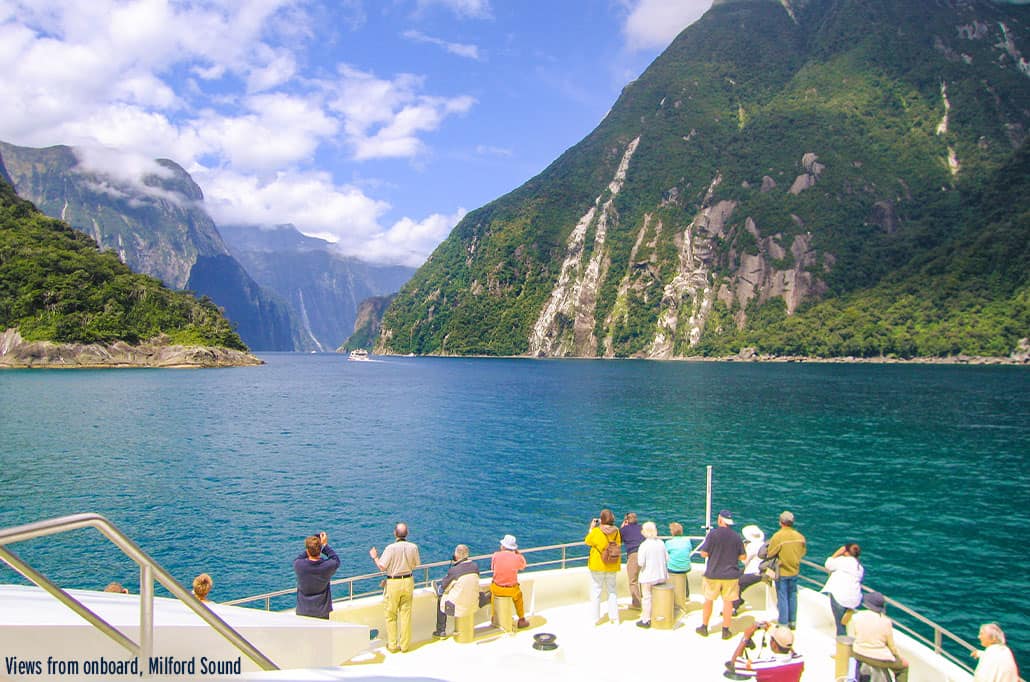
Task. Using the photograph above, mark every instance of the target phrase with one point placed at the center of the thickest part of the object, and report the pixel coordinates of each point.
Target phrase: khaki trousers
(633, 575)
(397, 601)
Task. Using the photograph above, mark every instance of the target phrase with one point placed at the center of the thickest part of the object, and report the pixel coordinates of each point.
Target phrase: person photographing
(314, 569)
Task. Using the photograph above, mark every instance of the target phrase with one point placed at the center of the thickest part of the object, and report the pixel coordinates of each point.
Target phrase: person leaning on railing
(845, 583)
(996, 662)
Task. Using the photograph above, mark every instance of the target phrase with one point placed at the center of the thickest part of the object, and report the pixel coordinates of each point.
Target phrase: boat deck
(556, 603)
(585, 652)
(34, 626)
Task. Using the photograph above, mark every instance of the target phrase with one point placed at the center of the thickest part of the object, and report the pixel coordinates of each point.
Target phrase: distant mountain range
(282, 290)
(818, 177)
(323, 288)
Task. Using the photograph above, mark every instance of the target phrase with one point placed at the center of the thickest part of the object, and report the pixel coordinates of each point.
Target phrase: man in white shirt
(997, 664)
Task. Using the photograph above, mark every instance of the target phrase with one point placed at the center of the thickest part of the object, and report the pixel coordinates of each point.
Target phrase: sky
(375, 124)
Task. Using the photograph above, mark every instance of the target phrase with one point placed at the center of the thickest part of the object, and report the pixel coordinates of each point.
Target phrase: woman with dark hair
(604, 563)
(845, 582)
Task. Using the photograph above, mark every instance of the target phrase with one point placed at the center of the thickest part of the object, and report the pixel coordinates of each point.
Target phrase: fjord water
(225, 471)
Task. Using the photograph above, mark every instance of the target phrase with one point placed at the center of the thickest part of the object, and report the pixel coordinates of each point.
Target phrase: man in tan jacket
(789, 545)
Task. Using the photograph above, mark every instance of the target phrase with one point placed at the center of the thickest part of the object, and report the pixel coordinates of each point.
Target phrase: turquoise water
(225, 471)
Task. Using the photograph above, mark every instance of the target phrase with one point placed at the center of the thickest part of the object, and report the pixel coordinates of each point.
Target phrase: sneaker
(523, 623)
(726, 634)
(643, 624)
(702, 630)
(439, 634)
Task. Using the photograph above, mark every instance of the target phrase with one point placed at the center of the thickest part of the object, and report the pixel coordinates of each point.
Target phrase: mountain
(828, 177)
(368, 324)
(57, 286)
(156, 225)
(323, 288)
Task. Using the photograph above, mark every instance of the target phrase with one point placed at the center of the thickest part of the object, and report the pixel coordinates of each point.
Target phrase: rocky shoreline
(16, 353)
(1019, 357)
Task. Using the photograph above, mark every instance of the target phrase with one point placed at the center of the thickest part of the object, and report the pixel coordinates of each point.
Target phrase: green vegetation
(907, 256)
(56, 286)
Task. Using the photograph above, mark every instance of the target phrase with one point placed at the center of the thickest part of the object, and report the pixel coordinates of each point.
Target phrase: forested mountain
(366, 327)
(323, 288)
(818, 177)
(55, 285)
(157, 225)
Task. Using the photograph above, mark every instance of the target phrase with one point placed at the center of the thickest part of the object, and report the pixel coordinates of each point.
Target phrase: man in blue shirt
(314, 596)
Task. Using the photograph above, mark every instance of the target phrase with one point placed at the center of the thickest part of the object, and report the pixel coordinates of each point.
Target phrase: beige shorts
(727, 589)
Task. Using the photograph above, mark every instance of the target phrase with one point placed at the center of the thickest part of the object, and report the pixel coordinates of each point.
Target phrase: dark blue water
(225, 471)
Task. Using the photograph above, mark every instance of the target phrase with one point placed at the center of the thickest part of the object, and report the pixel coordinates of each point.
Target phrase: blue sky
(375, 124)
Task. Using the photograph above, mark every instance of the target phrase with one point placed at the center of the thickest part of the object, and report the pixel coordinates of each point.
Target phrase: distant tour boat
(359, 354)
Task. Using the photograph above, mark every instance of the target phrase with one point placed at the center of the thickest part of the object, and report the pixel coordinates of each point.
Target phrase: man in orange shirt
(506, 564)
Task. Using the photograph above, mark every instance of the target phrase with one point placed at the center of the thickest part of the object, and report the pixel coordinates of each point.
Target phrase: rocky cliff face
(367, 324)
(776, 155)
(157, 225)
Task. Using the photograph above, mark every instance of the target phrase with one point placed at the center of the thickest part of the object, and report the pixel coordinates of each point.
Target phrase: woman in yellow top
(603, 570)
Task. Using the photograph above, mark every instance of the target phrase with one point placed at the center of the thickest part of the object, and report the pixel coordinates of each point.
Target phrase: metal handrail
(150, 570)
(939, 632)
(425, 569)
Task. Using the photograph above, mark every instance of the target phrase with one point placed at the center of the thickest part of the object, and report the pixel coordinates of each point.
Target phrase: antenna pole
(708, 498)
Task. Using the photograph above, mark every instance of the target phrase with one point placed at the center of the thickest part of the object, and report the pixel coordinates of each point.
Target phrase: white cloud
(476, 9)
(460, 49)
(654, 23)
(383, 119)
(123, 174)
(409, 242)
(342, 214)
(488, 150)
(278, 130)
(209, 73)
(280, 68)
(219, 88)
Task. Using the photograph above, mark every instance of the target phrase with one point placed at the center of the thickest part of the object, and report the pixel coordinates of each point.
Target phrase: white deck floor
(596, 653)
(33, 625)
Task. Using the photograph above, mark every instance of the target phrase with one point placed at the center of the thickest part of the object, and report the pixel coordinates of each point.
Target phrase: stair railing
(150, 571)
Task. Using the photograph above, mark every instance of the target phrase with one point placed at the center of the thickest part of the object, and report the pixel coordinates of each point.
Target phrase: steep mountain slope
(158, 228)
(55, 285)
(368, 324)
(778, 154)
(322, 288)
